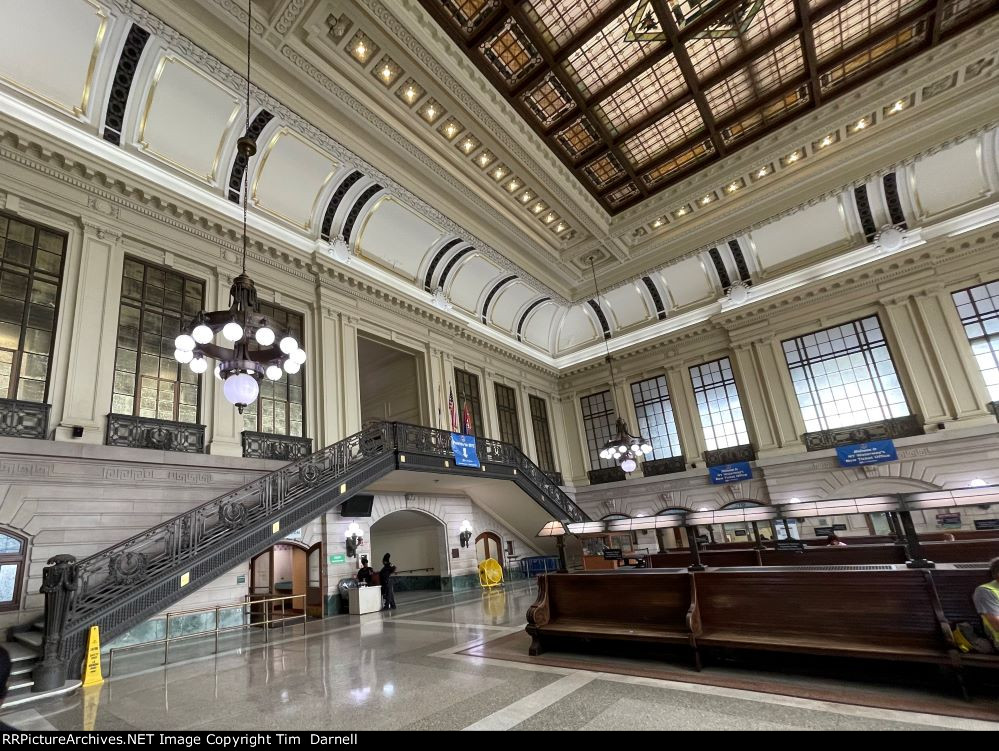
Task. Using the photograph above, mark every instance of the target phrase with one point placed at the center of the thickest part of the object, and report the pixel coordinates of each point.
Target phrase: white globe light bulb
(183, 355)
(298, 356)
(241, 389)
(290, 367)
(218, 370)
(265, 337)
(288, 345)
(202, 334)
(628, 465)
(273, 372)
(622, 448)
(646, 448)
(232, 331)
(184, 342)
(199, 365)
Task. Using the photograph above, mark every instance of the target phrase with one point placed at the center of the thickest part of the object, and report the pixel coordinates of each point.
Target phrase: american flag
(467, 416)
(451, 408)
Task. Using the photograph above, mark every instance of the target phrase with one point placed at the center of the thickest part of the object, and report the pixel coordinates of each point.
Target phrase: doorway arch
(282, 569)
(489, 545)
(418, 543)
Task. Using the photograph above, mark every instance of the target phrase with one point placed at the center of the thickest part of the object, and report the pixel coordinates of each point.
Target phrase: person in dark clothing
(365, 572)
(388, 587)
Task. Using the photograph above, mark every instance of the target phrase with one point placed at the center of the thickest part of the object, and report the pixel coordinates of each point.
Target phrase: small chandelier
(255, 346)
(624, 448)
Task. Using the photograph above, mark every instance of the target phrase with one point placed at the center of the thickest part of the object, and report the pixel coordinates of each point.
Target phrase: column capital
(99, 230)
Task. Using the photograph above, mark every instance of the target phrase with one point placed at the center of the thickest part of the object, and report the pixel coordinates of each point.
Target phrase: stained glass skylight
(634, 94)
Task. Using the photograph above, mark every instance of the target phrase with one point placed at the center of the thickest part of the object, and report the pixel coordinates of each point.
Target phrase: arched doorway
(671, 538)
(489, 545)
(283, 569)
(417, 542)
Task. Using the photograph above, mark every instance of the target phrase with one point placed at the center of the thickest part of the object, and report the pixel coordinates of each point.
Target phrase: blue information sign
(872, 452)
(463, 447)
(730, 472)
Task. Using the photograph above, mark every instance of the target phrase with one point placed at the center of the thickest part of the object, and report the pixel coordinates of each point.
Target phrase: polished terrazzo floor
(402, 670)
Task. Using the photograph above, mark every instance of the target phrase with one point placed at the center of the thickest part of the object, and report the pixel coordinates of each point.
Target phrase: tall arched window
(12, 552)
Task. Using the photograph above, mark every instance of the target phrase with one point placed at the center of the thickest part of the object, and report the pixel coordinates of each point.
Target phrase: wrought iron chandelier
(254, 346)
(624, 448)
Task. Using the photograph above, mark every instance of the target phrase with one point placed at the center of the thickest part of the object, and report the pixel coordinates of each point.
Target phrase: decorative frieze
(606, 474)
(665, 466)
(147, 433)
(896, 427)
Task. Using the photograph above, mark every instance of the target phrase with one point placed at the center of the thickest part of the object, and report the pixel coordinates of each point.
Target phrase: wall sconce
(353, 539)
(466, 533)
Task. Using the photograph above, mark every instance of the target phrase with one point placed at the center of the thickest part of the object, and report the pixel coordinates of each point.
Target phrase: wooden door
(491, 545)
(314, 588)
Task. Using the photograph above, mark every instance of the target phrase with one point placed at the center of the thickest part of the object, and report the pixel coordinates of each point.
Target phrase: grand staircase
(129, 582)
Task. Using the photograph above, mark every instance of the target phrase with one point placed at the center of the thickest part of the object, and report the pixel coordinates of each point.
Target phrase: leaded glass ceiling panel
(632, 95)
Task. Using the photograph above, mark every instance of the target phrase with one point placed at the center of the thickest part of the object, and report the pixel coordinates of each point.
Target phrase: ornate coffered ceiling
(632, 95)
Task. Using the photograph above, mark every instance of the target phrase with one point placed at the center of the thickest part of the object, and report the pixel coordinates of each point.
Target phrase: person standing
(986, 599)
(388, 586)
(365, 572)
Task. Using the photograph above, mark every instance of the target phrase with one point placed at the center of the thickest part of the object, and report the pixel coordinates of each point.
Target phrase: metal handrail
(247, 602)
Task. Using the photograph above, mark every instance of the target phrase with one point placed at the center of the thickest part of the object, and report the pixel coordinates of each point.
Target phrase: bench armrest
(694, 612)
(539, 613)
(938, 611)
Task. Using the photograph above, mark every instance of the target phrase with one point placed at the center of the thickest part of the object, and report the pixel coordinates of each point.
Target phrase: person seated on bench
(948, 537)
(833, 540)
(986, 600)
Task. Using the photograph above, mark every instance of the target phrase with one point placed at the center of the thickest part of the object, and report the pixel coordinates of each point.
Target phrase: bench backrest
(961, 551)
(835, 555)
(876, 608)
(639, 597)
(956, 588)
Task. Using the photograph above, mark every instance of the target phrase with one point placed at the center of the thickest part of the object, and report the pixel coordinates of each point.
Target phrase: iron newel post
(59, 582)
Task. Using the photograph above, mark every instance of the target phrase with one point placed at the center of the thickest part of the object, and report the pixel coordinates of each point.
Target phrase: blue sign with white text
(730, 472)
(872, 452)
(463, 447)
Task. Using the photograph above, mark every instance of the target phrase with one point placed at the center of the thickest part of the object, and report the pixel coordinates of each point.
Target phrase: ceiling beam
(808, 49)
(528, 28)
(687, 69)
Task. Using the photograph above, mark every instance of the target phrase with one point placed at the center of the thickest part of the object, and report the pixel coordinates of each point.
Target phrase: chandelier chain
(246, 171)
(610, 360)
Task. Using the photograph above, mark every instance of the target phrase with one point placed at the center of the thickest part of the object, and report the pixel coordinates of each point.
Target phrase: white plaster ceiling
(397, 238)
(508, 303)
(292, 175)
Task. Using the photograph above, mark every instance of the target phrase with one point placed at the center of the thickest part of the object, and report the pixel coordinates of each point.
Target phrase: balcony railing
(272, 446)
(652, 467)
(896, 427)
(605, 474)
(24, 419)
(744, 453)
(148, 433)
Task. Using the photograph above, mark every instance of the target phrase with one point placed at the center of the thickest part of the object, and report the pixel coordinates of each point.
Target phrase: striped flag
(451, 408)
(467, 417)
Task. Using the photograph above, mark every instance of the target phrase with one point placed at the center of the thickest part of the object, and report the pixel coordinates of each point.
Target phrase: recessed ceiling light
(549, 218)
(732, 187)
(793, 157)
(386, 72)
(484, 158)
(681, 212)
(410, 93)
(450, 129)
(762, 173)
(360, 49)
(526, 197)
(825, 142)
(861, 124)
(513, 185)
(706, 200)
(898, 106)
(559, 227)
(467, 145)
(538, 208)
(657, 223)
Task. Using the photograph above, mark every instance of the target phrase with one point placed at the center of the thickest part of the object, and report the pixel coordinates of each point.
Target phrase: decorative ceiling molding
(234, 80)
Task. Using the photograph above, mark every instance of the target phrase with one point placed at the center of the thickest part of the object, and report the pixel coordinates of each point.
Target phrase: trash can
(343, 587)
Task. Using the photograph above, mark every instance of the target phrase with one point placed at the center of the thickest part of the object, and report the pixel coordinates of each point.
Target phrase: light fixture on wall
(255, 347)
(466, 533)
(353, 539)
(624, 448)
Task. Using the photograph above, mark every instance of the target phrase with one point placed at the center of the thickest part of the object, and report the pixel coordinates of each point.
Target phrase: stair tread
(24, 667)
(31, 638)
(18, 651)
(14, 685)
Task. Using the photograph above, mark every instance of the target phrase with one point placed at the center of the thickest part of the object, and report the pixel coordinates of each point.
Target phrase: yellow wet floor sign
(92, 666)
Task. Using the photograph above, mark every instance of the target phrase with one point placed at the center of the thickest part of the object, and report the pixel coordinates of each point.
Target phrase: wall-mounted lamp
(354, 539)
(466, 533)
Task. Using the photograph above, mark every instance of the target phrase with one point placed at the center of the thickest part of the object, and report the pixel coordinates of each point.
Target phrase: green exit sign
(340, 558)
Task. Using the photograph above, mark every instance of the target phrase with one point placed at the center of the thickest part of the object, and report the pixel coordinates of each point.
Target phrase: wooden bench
(956, 587)
(640, 605)
(961, 551)
(847, 555)
(877, 615)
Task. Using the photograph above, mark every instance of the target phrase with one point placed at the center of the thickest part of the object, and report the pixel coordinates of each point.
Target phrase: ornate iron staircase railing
(133, 580)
